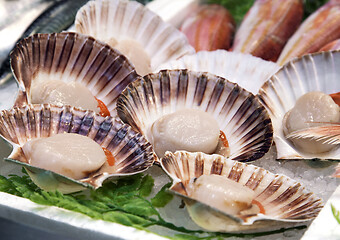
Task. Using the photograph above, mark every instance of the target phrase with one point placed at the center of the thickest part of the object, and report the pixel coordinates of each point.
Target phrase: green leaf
(236, 8)
(121, 202)
(336, 213)
(310, 6)
(124, 218)
(140, 207)
(146, 186)
(163, 197)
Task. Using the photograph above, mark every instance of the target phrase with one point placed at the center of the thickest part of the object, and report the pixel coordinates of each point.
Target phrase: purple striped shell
(238, 112)
(283, 199)
(132, 153)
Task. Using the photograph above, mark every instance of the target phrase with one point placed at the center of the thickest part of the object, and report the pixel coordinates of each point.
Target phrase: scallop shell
(71, 57)
(244, 69)
(312, 72)
(120, 19)
(239, 114)
(132, 153)
(283, 199)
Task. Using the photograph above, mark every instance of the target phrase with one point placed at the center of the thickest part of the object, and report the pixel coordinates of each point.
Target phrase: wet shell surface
(71, 57)
(283, 199)
(238, 113)
(114, 21)
(132, 153)
(244, 69)
(313, 72)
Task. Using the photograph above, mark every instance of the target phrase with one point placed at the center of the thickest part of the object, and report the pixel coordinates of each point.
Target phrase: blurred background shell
(121, 19)
(283, 199)
(132, 153)
(239, 114)
(71, 57)
(246, 70)
(312, 72)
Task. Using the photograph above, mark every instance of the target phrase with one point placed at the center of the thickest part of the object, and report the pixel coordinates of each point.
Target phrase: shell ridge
(216, 95)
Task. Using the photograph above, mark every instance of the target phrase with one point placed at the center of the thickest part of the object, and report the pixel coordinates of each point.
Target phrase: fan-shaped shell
(239, 114)
(283, 199)
(71, 57)
(312, 72)
(244, 69)
(121, 19)
(132, 153)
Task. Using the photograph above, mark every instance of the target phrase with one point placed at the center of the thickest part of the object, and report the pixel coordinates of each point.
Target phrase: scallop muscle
(62, 93)
(69, 154)
(187, 129)
(311, 110)
(222, 193)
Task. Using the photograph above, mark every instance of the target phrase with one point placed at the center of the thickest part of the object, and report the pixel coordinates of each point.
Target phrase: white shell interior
(121, 20)
(244, 69)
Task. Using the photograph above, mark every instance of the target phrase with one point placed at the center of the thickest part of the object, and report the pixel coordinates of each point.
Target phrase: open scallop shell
(121, 19)
(239, 114)
(71, 57)
(312, 72)
(283, 199)
(132, 153)
(244, 69)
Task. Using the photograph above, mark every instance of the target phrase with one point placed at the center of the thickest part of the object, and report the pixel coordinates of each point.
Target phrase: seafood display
(209, 28)
(320, 28)
(262, 198)
(148, 103)
(134, 30)
(72, 69)
(247, 71)
(293, 99)
(127, 91)
(267, 27)
(67, 149)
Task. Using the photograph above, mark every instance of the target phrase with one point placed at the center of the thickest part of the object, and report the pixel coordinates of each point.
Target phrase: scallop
(225, 195)
(71, 69)
(289, 98)
(134, 30)
(68, 149)
(312, 109)
(244, 69)
(194, 111)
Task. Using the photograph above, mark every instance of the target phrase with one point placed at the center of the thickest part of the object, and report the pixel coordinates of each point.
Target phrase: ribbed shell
(121, 19)
(283, 198)
(312, 72)
(244, 69)
(132, 153)
(71, 57)
(267, 26)
(239, 114)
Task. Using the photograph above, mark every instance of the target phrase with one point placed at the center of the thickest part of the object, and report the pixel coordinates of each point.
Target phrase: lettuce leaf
(124, 201)
(336, 213)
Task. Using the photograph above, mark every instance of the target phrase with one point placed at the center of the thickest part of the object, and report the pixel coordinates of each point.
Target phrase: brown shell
(282, 198)
(132, 153)
(238, 112)
(69, 57)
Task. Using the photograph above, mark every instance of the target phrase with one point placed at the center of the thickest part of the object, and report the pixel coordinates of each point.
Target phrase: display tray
(313, 174)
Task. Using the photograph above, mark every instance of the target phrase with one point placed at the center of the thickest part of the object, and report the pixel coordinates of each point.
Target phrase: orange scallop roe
(224, 139)
(104, 111)
(262, 210)
(110, 158)
(336, 97)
